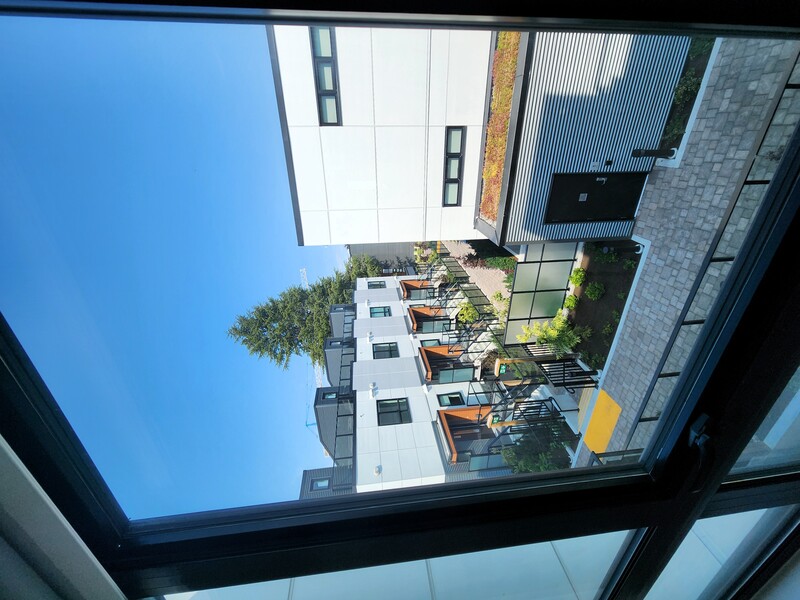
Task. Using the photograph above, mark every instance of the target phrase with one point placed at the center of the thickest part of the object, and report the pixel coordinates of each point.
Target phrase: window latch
(701, 440)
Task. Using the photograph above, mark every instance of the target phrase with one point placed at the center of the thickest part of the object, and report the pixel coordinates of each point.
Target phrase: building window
(329, 395)
(323, 52)
(453, 165)
(380, 311)
(393, 412)
(426, 343)
(452, 399)
(388, 350)
(376, 285)
(318, 485)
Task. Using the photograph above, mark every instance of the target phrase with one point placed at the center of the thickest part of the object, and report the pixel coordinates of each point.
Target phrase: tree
(296, 322)
(558, 333)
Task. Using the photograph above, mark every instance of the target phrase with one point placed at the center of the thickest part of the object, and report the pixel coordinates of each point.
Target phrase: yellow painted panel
(604, 418)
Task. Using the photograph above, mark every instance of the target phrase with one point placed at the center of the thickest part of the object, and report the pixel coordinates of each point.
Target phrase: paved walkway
(681, 210)
(488, 280)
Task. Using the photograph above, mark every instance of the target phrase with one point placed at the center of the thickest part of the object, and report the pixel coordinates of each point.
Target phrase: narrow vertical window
(323, 52)
(453, 165)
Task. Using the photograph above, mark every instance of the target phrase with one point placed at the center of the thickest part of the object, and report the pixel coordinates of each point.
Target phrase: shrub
(578, 276)
(595, 361)
(504, 263)
(608, 330)
(557, 332)
(621, 295)
(628, 264)
(583, 331)
(615, 317)
(570, 302)
(509, 281)
(467, 313)
(500, 305)
(473, 260)
(595, 291)
(687, 88)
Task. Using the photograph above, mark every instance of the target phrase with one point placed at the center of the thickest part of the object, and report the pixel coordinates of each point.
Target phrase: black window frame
(430, 343)
(385, 350)
(448, 156)
(386, 311)
(376, 285)
(674, 487)
(331, 61)
(314, 486)
(449, 395)
(401, 408)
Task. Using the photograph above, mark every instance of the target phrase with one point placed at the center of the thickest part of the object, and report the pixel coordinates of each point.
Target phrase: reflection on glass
(716, 551)
(573, 568)
(777, 441)
(153, 255)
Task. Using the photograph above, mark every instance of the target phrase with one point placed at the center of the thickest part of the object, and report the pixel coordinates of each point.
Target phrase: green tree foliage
(578, 276)
(558, 333)
(296, 322)
(467, 313)
(531, 455)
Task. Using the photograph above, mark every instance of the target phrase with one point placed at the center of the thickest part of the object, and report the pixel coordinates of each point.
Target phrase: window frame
(448, 156)
(315, 487)
(461, 401)
(155, 556)
(404, 414)
(379, 348)
(319, 61)
(385, 310)
(376, 285)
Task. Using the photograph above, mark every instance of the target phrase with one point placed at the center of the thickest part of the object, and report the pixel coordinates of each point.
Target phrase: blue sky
(145, 204)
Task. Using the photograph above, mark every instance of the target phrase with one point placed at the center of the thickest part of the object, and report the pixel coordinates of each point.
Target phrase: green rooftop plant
(570, 302)
(557, 332)
(578, 276)
(628, 264)
(595, 291)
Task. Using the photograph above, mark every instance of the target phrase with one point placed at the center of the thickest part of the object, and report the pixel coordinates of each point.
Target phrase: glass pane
(554, 276)
(573, 569)
(156, 240)
(546, 304)
(777, 441)
(325, 76)
(520, 306)
(716, 551)
(451, 194)
(453, 168)
(330, 112)
(527, 276)
(321, 37)
(454, 140)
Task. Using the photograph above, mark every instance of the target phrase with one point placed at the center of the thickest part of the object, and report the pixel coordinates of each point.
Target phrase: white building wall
(394, 456)
(379, 177)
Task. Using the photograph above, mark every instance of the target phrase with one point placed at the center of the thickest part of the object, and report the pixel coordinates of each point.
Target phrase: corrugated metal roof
(592, 98)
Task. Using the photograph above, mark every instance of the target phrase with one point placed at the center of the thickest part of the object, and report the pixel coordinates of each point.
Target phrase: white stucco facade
(379, 175)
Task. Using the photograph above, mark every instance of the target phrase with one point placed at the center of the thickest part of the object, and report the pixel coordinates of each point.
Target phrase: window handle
(700, 439)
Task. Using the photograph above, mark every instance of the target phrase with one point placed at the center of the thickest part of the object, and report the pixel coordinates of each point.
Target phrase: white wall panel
(315, 228)
(297, 75)
(400, 70)
(468, 69)
(390, 467)
(387, 438)
(440, 55)
(309, 173)
(354, 226)
(400, 224)
(405, 437)
(400, 154)
(409, 465)
(430, 462)
(433, 224)
(354, 59)
(457, 223)
(365, 467)
(349, 157)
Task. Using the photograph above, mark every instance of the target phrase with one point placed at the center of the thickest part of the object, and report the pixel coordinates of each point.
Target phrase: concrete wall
(379, 176)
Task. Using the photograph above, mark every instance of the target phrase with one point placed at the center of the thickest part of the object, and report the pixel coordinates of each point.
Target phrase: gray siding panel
(592, 98)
